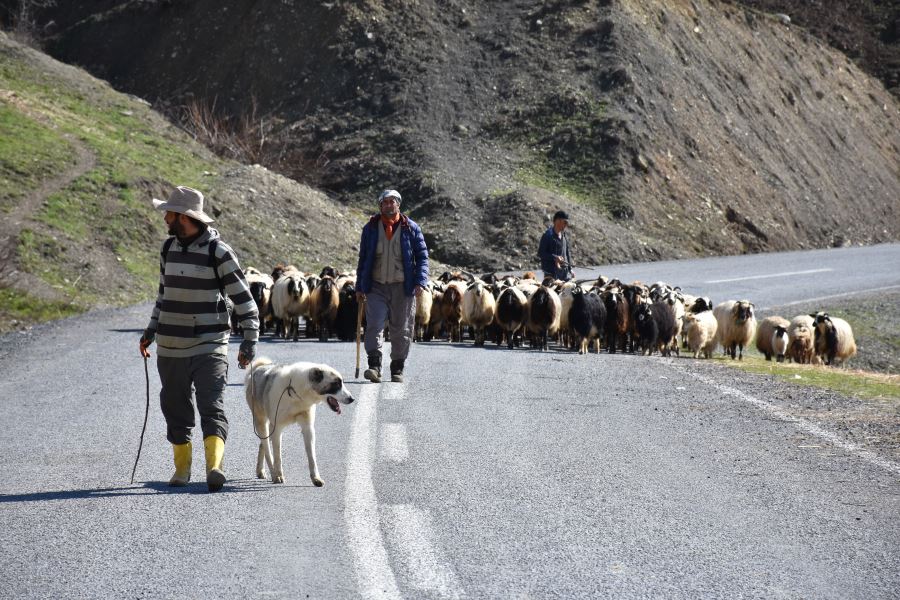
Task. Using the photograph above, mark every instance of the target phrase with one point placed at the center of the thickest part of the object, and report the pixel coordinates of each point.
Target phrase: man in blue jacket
(392, 273)
(556, 259)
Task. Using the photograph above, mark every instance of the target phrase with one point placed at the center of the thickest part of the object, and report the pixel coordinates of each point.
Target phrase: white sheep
(478, 309)
(801, 347)
(834, 341)
(736, 326)
(700, 329)
(290, 300)
(423, 311)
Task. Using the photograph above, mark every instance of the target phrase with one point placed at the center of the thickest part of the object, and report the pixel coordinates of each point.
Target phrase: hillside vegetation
(667, 128)
(79, 164)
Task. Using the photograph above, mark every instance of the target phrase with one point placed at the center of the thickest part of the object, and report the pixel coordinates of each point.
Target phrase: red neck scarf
(390, 225)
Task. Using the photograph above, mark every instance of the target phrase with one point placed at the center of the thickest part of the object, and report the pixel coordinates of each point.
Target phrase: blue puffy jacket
(412, 245)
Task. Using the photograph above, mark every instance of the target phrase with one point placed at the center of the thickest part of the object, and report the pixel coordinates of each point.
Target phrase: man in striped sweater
(191, 326)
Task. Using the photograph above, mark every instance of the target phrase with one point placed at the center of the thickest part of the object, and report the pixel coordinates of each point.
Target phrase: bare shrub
(245, 138)
(23, 26)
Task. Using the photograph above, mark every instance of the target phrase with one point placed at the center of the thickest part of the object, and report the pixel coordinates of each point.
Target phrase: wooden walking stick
(146, 414)
(359, 316)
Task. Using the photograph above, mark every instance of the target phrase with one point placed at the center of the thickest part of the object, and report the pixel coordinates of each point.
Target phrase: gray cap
(389, 194)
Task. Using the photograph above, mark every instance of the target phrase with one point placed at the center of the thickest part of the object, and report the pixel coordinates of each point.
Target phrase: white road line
(393, 442)
(801, 423)
(829, 297)
(410, 532)
(393, 391)
(374, 575)
(788, 274)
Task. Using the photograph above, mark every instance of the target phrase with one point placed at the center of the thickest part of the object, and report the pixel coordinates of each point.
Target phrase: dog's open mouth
(333, 404)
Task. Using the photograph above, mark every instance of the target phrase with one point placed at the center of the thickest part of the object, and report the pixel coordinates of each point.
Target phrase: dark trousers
(205, 375)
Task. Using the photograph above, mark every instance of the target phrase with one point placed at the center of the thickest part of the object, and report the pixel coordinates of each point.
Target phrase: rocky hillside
(867, 31)
(668, 128)
(79, 164)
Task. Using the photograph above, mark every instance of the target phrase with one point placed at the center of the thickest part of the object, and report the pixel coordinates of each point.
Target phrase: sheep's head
(820, 317)
(295, 287)
(327, 285)
(742, 311)
(644, 312)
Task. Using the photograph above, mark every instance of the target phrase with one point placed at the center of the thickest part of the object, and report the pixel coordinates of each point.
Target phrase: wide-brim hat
(186, 201)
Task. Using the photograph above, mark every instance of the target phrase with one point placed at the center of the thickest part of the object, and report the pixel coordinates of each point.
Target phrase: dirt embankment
(867, 31)
(79, 230)
(669, 129)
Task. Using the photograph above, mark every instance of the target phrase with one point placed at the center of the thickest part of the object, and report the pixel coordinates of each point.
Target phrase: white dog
(280, 395)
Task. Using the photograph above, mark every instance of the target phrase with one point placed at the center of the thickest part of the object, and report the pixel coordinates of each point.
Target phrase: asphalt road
(490, 474)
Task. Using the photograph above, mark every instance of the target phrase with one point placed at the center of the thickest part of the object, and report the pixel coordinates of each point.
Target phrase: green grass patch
(134, 150)
(18, 309)
(572, 150)
(30, 152)
(859, 384)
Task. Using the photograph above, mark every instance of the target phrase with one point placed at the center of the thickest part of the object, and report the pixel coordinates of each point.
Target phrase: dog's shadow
(150, 488)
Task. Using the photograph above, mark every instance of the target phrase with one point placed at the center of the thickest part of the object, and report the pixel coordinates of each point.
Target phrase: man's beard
(176, 229)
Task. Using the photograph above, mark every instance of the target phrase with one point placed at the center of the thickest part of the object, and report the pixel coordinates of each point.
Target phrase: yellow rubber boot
(215, 450)
(182, 464)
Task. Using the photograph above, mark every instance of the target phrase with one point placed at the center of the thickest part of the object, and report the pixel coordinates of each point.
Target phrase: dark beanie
(560, 214)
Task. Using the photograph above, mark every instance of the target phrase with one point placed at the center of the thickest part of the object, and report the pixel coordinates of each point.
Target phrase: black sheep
(618, 320)
(511, 313)
(543, 312)
(646, 327)
(587, 318)
(348, 310)
(664, 316)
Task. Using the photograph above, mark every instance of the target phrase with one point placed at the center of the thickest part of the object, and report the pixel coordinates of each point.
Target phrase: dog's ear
(316, 376)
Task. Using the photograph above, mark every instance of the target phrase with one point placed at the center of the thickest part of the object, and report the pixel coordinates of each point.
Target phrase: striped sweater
(190, 317)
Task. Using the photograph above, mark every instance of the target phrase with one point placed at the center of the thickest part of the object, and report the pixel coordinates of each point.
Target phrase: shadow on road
(147, 488)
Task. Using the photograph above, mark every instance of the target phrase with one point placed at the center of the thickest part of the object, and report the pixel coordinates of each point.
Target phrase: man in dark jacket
(392, 272)
(556, 259)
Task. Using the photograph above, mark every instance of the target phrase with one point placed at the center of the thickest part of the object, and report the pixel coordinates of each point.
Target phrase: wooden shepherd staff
(359, 316)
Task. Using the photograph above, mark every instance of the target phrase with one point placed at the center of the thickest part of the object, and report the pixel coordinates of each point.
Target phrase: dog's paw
(318, 481)
(277, 478)
(260, 474)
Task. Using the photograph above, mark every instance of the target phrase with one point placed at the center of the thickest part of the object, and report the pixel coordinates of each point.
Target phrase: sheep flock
(577, 315)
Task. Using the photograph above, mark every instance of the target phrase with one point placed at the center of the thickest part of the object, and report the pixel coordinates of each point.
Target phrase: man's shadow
(147, 488)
